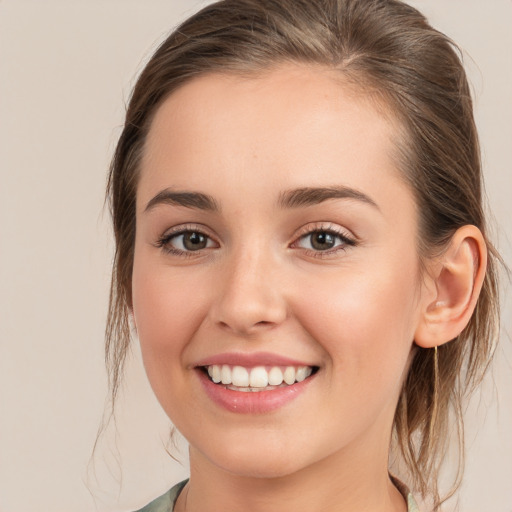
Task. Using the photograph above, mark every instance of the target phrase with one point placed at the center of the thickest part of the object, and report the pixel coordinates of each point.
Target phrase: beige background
(66, 70)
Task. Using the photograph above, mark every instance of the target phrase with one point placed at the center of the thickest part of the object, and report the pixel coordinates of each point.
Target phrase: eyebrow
(309, 196)
(196, 200)
(306, 196)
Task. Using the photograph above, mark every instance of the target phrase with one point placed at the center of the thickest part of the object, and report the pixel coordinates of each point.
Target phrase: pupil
(194, 241)
(323, 241)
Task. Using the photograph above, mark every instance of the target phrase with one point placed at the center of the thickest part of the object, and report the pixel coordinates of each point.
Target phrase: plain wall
(66, 69)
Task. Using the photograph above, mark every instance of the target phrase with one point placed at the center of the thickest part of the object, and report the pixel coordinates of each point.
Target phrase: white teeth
(258, 377)
(302, 373)
(225, 374)
(240, 377)
(216, 376)
(289, 375)
(275, 376)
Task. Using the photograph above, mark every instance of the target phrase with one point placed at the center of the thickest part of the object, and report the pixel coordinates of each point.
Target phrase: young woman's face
(275, 239)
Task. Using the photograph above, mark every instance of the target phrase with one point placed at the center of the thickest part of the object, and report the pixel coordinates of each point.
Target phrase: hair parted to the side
(385, 47)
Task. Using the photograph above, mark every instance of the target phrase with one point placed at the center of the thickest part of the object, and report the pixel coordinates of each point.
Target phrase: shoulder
(164, 503)
(412, 506)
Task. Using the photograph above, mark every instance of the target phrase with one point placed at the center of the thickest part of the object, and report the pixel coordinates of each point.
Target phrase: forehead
(288, 126)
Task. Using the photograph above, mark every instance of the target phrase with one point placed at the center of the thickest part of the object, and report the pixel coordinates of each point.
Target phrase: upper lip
(250, 360)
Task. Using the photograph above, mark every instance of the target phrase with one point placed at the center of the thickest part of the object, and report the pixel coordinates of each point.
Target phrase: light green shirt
(166, 502)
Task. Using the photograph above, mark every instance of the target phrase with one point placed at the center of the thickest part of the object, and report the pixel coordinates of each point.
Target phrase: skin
(259, 286)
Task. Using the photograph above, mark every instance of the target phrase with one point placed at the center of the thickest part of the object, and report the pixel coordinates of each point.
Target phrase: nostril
(246, 329)
(248, 310)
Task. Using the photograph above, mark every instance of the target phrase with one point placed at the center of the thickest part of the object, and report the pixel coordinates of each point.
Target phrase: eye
(185, 241)
(324, 240)
(190, 241)
(319, 241)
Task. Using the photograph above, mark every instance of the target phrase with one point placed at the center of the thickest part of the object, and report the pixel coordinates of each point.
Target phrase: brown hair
(384, 46)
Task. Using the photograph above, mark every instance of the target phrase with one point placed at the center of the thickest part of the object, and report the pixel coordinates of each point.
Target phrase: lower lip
(255, 402)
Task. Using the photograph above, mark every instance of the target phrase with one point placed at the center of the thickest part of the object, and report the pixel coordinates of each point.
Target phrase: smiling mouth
(258, 378)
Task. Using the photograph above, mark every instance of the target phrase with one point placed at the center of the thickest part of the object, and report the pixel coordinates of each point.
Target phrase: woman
(301, 246)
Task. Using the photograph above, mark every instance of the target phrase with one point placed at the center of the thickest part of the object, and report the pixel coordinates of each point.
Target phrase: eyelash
(164, 241)
(347, 241)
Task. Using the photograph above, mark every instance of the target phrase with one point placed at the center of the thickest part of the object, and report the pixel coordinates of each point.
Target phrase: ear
(455, 280)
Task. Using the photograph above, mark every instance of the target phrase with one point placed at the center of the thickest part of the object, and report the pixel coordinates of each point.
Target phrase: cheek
(364, 320)
(167, 311)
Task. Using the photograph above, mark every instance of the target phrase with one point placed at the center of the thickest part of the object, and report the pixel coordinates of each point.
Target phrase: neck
(340, 482)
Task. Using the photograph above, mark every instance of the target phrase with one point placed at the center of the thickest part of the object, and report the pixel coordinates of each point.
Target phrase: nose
(250, 296)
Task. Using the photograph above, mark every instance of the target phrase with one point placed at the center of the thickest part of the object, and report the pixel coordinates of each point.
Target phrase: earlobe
(457, 279)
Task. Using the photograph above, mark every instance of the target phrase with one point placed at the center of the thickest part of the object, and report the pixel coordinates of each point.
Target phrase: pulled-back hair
(387, 48)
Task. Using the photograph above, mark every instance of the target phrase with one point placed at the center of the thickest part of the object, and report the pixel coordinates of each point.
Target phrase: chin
(264, 468)
(256, 459)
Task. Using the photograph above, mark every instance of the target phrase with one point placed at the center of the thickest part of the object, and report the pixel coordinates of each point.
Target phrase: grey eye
(321, 241)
